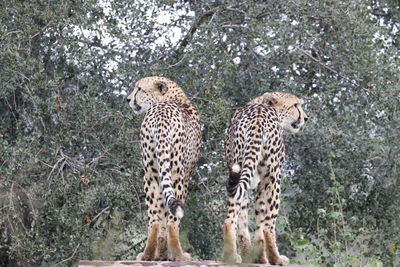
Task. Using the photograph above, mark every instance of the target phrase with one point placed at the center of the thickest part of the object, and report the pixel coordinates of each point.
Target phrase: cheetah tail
(175, 206)
(241, 177)
(233, 181)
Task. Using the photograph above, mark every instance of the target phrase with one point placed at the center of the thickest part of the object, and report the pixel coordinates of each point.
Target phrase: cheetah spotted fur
(255, 152)
(170, 140)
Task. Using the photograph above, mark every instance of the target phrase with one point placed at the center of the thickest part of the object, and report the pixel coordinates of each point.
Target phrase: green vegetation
(70, 164)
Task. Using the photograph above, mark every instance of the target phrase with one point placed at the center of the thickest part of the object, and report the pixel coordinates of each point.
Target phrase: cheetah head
(288, 106)
(147, 91)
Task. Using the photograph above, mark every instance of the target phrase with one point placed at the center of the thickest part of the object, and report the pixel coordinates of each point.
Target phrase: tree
(70, 161)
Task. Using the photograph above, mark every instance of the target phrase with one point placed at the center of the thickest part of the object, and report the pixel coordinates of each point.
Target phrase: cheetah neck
(260, 101)
(178, 97)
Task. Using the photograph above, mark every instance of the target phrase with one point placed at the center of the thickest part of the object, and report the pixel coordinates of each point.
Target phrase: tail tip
(176, 208)
(179, 213)
(233, 181)
(236, 168)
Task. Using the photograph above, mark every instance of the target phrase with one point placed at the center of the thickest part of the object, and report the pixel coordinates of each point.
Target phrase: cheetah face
(145, 92)
(294, 118)
(289, 110)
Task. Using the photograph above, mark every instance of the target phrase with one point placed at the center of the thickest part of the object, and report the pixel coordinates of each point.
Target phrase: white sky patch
(164, 17)
(275, 69)
(295, 68)
(386, 39)
(295, 23)
(380, 114)
(271, 33)
(395, 29)
(262, 50)
(120, 93)
(172, 34)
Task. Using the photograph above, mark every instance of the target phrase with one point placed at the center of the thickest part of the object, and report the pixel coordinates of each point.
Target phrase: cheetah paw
(233, 258)
(283, 260)
(262, 260)
(139, 257)
(182, 257)
(143, 257)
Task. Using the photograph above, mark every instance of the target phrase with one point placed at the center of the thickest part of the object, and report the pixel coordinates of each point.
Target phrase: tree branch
(184, 42)
(193, 28)
(73, 254)
(323, 65)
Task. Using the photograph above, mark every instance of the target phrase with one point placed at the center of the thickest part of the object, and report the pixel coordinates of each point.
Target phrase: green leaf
(335, 214)
(374, 263)
(302, 243)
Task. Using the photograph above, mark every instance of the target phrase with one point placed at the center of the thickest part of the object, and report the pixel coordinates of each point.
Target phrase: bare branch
(322, 64)
(69, 258)
(193, 28)
(101, 212)
(184, 42)
(234, 26)
(202, 181)
(171, 66)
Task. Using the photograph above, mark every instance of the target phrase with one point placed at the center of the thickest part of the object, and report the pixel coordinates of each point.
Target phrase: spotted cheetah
(170, 140)
(255, 153)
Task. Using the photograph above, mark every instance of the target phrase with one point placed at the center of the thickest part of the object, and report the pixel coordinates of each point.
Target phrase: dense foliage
(70, 165)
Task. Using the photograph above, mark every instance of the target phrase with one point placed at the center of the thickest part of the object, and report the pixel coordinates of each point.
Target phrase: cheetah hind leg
(151, 245)
(230, 255)
(162, 252)
(246, 251)
(174, 246)
(230, 249)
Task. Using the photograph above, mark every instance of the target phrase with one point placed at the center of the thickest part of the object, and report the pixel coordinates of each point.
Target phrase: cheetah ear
(270, 99)
(161, 87)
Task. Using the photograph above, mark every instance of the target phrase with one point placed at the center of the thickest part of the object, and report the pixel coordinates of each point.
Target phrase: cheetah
(170, 141)
(255, 152)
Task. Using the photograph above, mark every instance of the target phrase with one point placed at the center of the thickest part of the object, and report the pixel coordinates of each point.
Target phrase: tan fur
(174, 245)
(230, 254)
(170, 140)
(255, 153)
(151, 245)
